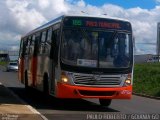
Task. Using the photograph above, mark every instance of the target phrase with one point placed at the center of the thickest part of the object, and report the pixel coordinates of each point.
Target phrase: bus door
(54, 59)
(27, 61)
(30, 61)
(33, 54)
(21, 60)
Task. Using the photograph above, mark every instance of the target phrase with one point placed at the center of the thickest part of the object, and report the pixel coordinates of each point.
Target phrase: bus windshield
(99, 49)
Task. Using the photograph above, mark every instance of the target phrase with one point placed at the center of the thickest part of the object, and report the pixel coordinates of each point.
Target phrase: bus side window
(21, 48)
(37, 43)
(42, 44)
(48, 41)
(56, 37)
(30, 46)
(54, 45)
(43, 38)
(27, 46)
(49, 36)
(21, 51)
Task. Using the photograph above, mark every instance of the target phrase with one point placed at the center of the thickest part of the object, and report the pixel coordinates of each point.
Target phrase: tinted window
(13, 64)
(102, 49)
(49, 37)
(43, 38)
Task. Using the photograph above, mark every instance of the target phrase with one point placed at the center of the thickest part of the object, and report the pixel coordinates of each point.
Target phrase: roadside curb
(147, 96)
(25, 104)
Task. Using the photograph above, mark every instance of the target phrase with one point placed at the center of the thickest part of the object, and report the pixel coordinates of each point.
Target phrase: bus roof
(45, 25)
(59, 19)
(96, 16)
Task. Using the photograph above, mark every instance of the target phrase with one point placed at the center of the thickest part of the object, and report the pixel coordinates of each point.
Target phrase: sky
(145, 4)
(20, 16)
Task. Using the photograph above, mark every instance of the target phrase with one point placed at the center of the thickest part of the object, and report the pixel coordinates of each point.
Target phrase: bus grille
(93, 80)
(97, 93)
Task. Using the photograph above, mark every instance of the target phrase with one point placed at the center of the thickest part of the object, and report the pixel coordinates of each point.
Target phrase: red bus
(79, 57)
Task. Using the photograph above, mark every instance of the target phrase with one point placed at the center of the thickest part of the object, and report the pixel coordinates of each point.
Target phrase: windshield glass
(102, 49)
(14, 64)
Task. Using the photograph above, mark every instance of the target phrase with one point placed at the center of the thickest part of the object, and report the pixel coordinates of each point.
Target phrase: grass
(147, 79)
(3, 63)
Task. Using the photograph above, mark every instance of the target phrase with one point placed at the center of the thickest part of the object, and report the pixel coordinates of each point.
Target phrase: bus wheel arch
(45, 84)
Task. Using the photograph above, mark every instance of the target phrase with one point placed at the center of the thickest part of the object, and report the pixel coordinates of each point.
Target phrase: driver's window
(127, 45)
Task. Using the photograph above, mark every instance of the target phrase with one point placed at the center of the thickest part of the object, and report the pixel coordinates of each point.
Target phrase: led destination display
(96, 23)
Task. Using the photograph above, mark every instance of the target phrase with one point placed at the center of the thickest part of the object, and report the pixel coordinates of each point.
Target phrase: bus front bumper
(70, 91)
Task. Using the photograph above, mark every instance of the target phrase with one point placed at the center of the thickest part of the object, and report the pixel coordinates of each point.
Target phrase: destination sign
(96, 23)
(103, 24)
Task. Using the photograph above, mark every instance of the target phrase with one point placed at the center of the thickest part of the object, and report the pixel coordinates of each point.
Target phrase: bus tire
(26, 81)
(45, 84)
(105, 102)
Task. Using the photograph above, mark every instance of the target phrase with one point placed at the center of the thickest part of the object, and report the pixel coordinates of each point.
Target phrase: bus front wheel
(105, 102)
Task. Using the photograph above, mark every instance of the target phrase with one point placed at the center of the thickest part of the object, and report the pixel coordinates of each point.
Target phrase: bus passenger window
(31, 48)
(27, 46)
(22, 48)
(33, 40)
(49, 39)
(43, 38)
(37, 42)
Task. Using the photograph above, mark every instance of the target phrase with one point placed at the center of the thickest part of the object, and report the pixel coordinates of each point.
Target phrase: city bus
(79, 56)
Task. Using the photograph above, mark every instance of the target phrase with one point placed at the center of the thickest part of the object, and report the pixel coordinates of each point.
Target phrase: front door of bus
(53, 58)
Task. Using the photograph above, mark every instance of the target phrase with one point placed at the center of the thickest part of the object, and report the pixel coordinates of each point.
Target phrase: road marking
(36, 112)
(28, 106)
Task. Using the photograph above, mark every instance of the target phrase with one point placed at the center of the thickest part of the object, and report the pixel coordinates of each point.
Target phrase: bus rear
(96, 59)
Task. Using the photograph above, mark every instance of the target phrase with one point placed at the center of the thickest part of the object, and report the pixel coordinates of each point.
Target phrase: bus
(79, 56)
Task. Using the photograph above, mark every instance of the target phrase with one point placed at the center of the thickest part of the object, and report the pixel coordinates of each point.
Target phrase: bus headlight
(128, 81)
(64, 78)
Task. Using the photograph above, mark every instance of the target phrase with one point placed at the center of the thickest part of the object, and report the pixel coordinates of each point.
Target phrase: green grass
(147, 79)
(3, 63)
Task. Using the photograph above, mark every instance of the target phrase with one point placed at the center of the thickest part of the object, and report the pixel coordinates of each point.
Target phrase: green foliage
(147, 79)
(3, 63)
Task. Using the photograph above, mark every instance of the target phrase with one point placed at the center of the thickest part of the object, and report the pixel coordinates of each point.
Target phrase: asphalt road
(70, 109)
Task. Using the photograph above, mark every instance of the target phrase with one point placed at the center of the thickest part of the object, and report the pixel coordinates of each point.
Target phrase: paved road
(76, 109)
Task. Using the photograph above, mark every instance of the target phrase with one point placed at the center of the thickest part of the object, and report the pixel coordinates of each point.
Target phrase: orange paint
(21, 70)
(69, 91)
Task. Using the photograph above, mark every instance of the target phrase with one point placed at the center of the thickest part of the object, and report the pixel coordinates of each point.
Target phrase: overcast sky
(20, 16)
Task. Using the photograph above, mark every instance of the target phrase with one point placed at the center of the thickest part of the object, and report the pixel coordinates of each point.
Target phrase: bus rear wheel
(105, 102)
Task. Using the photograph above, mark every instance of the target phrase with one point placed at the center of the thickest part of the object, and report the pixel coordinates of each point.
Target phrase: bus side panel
(41, 70)
(21, 70)
(28, 64)
(34, 71)
(39, 84)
